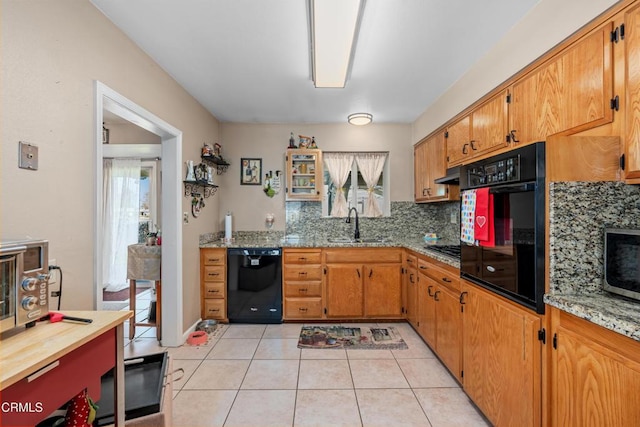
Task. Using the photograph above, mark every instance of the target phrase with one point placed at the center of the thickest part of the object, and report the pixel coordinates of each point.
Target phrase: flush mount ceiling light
(360, 119)
(334, 31)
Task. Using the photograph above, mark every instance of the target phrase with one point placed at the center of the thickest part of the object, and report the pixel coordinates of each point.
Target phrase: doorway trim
(171, 205)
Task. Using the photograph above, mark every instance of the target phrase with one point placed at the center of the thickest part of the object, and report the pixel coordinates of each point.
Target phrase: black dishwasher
(254, 285)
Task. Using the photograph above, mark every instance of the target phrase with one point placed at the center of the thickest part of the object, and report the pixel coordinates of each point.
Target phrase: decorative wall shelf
(219, 163)
(191, 189)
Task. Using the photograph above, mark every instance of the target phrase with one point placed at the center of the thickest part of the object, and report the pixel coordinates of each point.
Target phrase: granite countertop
(609, 311)
(261, 241)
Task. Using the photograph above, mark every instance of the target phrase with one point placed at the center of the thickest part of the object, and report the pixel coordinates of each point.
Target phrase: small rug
(355, 338)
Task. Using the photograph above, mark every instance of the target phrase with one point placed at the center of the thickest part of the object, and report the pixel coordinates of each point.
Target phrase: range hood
(452, 177)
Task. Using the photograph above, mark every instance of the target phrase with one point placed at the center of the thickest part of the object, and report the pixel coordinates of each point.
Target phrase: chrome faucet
(356, 233)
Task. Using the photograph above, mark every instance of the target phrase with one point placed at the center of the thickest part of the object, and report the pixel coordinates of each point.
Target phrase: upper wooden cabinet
(429, 165)
(632, 75)
(569, 94)
(484, 130)
(304, 174)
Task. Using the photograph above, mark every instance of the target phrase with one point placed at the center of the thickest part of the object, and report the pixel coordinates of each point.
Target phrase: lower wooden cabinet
(595, 376)
(302, 284)
(439, 312)
(410, 289)
(502, 358)
(363, 283)
(213, 283)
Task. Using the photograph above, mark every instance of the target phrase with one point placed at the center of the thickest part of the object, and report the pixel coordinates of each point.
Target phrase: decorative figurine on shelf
(217, 150)
(191, 175)
(305, 141)
(206, 150)
(292, 141)
(313, 142)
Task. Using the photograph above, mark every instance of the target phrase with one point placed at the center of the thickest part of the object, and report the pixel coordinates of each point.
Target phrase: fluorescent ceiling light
(360, 119)
(334, 31)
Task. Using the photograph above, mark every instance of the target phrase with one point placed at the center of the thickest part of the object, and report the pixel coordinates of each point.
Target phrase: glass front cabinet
(304, 174)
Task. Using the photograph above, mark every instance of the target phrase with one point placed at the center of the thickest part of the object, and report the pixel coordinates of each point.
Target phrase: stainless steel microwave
(622, 262)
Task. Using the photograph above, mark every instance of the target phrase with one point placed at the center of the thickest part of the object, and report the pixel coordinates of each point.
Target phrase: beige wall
(52, 51)
(546, 25)
(249, 204)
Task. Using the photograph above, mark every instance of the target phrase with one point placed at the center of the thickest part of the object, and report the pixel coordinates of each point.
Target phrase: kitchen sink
(373, 240)
(340, 240)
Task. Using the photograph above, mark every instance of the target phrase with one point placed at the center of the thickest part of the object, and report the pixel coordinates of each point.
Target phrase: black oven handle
(513, 188)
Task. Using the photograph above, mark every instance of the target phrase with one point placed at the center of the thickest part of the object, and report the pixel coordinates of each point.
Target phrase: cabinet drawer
(215, 308)
(303, 289)
(213, 257)
(302, 257)
(213, 273)
(412, 261)
(443, 277)
(214, 290)
(302, 272)
(296, 308)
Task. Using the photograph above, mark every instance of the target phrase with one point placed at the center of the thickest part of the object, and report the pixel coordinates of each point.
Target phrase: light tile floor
(256, 376)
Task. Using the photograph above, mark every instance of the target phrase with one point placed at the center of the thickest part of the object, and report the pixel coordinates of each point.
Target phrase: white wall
(52, 51)
(249, 204)
(546, 25)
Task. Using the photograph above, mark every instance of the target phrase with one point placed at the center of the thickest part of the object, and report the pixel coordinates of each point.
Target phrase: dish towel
(482, 215)
(490, 240)
(467, 216)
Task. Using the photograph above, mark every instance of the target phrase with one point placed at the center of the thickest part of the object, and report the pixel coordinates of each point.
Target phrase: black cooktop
(450, 250)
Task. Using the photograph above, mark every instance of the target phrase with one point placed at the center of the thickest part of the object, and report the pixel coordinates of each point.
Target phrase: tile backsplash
(578, 214)
(407, 220)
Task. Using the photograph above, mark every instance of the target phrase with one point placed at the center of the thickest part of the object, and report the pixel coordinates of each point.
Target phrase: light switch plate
(28, 156)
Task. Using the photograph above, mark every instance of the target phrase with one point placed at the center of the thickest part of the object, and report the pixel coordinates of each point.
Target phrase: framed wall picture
(250, 171)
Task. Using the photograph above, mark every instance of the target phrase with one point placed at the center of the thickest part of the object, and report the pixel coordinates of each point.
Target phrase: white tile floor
(255, 375)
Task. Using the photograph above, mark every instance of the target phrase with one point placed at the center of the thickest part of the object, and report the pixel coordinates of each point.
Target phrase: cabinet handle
(423, 267)
(370, 273)
(411, 278)
(302, 290)
(429, 291)
(462, 296)
(302, 258)
(423, 191)
(473, 147)
(512, 134)
(213, 291)
(302, 309)
(358, 271)
(302, 273)
(464, 148)
(214, 310)
(214, 274)
(435, 296)
(43, 371)
(446, 280)
(214, 259)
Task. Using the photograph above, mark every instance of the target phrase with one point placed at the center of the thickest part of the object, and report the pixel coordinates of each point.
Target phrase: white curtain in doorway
(121, 192)
(339, 168)
(370, 166)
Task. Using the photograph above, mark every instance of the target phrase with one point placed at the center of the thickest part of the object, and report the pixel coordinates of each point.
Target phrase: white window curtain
(121, 192)
(339, 167)
(371, 166)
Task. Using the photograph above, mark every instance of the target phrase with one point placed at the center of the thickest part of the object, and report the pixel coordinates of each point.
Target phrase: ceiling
(248, 60)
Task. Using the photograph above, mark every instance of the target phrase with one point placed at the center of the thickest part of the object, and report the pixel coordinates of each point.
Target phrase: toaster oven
(24, 278)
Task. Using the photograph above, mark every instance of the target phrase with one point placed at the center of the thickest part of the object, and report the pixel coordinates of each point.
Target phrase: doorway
(108, 100)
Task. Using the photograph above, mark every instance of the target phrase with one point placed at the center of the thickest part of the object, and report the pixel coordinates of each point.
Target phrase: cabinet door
(632, 59)
(594, 385)
(412, 296)
(344, 290)
(437, 167)
(449, 330)
(304, 174)
(421, 172)
(571, 93)
(501, 359)
(382, 290)
(427, 310)
(458, 141)
(489, 126)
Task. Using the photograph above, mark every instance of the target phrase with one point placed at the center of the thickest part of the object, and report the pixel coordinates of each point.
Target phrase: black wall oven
(514, 266)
